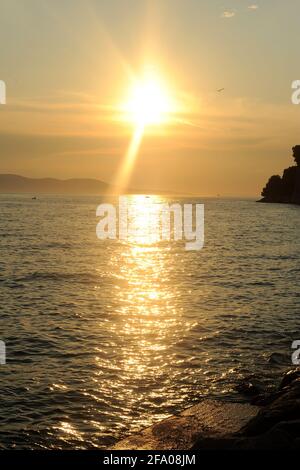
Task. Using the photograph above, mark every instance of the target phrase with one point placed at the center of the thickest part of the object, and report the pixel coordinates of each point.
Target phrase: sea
(106, 337)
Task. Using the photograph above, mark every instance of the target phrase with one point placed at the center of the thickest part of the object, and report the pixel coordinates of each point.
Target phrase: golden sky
(69, 66)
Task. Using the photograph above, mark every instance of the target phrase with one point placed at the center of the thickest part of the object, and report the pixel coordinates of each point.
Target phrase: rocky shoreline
(269, 421)
(276, 425)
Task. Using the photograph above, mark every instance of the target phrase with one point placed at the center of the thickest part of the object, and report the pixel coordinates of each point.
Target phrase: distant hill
(20, 184)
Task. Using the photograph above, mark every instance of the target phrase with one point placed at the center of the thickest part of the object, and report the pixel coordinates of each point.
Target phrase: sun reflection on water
(146, 320)
(144, 220)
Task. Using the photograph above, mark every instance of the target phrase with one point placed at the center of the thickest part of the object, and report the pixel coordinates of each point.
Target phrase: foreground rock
(213, 425)
(276, 425)
(181, 432)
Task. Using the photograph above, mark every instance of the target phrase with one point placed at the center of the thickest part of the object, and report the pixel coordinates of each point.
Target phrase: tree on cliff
(289, 181)
(296, 154)
(273, 188)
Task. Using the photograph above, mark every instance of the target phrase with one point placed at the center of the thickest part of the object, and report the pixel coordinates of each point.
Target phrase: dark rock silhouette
(296, 154)
(285, 189)
(275, 427)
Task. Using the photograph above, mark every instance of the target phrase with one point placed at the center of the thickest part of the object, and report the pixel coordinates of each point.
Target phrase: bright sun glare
(148, 103)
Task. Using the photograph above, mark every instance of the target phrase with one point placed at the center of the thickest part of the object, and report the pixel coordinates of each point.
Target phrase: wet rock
(210, 418)
(271, 415)
(277, 359)
(219, 425)
(274, 439)
(249, 389)
(289, 377)
(252, 389)
(276, 426)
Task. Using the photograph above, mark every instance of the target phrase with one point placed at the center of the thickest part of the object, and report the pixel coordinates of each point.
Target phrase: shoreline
(268, 421)
(264, 201)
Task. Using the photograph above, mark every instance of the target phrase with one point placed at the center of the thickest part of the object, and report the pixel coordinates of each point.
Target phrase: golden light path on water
(136, 357)
(147, 319)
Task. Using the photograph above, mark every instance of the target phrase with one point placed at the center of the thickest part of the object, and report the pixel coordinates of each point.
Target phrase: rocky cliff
(285, 188)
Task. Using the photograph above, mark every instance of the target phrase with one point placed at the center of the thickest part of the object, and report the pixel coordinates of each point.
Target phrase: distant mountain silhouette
(20, 184)
(285, 188)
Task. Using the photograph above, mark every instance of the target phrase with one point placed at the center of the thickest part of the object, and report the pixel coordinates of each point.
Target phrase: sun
(149, 103)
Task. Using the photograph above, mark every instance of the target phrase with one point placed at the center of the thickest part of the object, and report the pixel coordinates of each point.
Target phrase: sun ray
(129, 159)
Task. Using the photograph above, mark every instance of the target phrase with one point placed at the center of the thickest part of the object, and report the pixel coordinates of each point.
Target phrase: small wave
(261, 283)
(59, 276)
(65, 246)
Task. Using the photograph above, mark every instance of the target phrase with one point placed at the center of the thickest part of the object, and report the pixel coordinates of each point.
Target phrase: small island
(286, 188)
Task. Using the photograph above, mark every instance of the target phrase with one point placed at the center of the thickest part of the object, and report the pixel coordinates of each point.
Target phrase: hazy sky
(68, 64)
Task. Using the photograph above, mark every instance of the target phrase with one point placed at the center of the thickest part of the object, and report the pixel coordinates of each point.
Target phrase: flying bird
(220, 89)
